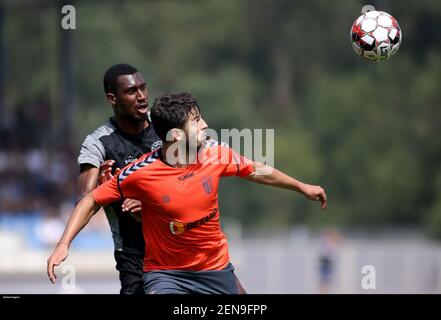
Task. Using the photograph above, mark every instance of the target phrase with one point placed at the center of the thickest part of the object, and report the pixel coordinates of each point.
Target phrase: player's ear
(178, 134)
(111, 98)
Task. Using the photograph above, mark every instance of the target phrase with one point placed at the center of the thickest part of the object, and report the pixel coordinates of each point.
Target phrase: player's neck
(131, 126)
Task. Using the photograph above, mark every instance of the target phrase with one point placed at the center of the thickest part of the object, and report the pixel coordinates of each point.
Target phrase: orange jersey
(180, 209)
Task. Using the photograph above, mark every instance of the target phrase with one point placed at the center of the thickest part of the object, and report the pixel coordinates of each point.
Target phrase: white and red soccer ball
(376, 36)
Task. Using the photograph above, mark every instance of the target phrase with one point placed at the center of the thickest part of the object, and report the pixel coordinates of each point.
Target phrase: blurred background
(367, 132)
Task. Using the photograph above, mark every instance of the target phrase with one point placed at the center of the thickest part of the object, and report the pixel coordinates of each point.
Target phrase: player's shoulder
(106, 129)
(148, 157)
(144, 162)
(214, 152)
(211, 143)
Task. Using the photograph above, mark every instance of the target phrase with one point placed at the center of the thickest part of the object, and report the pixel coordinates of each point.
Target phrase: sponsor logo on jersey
(178, 227)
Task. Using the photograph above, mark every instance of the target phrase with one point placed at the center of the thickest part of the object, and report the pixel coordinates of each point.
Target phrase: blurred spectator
(330, 241)
(36, 178)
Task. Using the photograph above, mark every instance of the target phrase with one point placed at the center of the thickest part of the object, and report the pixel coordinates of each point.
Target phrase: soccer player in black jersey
(119, 141)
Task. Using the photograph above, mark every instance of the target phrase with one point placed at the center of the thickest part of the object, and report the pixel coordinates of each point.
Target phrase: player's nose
(203, 124)
(142, 95)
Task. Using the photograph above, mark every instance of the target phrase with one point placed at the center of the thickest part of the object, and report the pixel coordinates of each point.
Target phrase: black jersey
(108, 142)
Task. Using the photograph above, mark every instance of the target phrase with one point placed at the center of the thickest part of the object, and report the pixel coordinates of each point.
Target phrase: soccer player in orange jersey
(186, 250)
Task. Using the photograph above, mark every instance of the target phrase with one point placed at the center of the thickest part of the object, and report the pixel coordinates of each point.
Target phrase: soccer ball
(376, 36)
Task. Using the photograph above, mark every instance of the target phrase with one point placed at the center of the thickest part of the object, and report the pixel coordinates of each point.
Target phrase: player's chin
(201, 142)
(140, 116)
(203, 137)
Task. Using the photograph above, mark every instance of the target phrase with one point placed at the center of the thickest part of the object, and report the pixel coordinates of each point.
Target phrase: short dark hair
(172, 111)
(112, 74)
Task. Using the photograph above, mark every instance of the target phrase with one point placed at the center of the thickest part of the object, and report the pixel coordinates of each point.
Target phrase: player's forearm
(273, 177)
(79, 218)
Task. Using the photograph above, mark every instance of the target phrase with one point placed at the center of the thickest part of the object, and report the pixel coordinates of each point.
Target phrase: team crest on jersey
(208, 186)
(156, 145)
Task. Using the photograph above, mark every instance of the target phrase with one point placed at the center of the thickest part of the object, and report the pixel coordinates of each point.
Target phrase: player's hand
(105, 172)
(316, 193)
(131, 205)
(58, 256)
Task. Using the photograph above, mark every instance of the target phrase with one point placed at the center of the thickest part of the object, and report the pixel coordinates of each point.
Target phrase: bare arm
(87, 180)
(270, 176)
(79, 218)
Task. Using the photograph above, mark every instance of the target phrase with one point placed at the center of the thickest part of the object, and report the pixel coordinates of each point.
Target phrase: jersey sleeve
(235, 164)
(92, 152)
(125, 184)
(107, 192)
